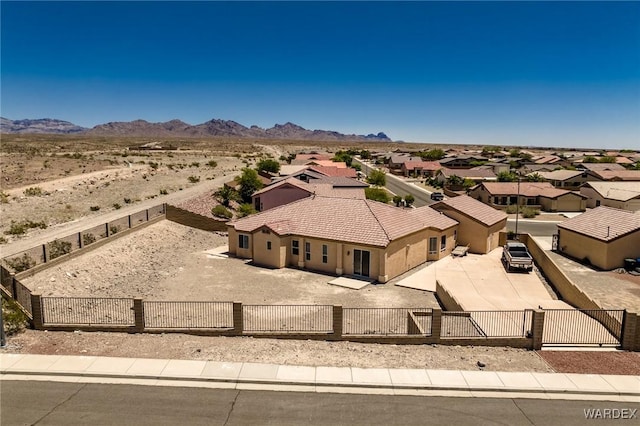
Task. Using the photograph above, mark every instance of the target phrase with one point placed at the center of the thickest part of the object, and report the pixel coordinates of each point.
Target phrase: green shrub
(194, 164)
(222, 212)
(88, 239)
(194, 179)
(212, 164)
(163, 192)
(3, 240)
(246, 209)
(153, 165)
(21, 263)
(127, 200)
(4, 197)
(94, 208)
(13, 318)
(33, 191)
(113, 229)
(511, 209)
(377, 194)
(59, 248)
(409, 200)
(19, 228)
(117, 206)
(397, 200)
(528, 212)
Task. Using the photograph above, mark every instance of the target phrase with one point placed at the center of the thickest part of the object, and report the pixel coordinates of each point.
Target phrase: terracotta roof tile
(335, 171)
(341, 219)
(603, 223)
(473, 208)
(619, 191)
(630, 175)
(527, 189)
(469, 173)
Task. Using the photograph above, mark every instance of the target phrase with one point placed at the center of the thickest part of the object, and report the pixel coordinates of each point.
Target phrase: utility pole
(3, 337)
(518, 205)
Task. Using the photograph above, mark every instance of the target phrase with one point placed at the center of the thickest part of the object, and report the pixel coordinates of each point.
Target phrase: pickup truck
(516, 256)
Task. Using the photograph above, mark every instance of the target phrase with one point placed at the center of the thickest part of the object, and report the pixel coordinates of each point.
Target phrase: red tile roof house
(291, 189)
(476, 174)
(480, 225)
(614, 175)
(533, 194)
(603, 237)
(420, 168)
(342, 236)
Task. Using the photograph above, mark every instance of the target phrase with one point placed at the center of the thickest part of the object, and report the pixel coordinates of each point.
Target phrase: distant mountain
(177, 128)
(41, 125)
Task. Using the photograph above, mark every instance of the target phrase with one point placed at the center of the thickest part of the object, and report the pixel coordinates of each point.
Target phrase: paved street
(54, 403)
(536, 228)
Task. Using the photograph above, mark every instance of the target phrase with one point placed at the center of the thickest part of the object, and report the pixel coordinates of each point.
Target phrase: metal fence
(382, 321)
(465, 324)
(87, 311)
(186, 315)
(287, 318)
(23, 296)
(584, 326)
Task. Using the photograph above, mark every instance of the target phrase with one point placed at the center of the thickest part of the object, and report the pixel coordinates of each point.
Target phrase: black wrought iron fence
(464, 324)
(87, 311)
(582, 326)
(186, 315)
(287, 318)
(384, 321)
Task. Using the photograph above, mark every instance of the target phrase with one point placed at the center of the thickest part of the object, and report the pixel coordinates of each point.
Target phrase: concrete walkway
(213, 374)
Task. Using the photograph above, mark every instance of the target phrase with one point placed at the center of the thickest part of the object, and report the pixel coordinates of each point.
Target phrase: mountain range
(178, 128)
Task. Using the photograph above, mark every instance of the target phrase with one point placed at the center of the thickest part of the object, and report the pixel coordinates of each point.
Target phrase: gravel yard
(168, 261)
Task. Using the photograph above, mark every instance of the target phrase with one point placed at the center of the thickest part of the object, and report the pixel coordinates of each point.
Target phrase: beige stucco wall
(233, 240)
(480, 238)
(280, 196)
(406, 253)
(274, 258)
(603, 255)
(593, 196)
(564, 203)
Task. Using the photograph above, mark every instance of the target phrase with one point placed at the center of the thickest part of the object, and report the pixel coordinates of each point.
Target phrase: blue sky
(547, 74)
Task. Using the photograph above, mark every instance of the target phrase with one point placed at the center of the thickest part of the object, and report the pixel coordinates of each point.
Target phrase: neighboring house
(564, 179)
(603, 237)
(343, 237)
(496, 167)
(397, 160)
(420, 168)
(292, 189)
(532, 168)
(620, 195)
(533, 194)
(236, 185)
(614, 175)
(595, 167)
(288, 169)
(462, 161)
(476, 174)
(313, 156)
(551, 160)
(335, 171)
(479, 225)
(624, 160)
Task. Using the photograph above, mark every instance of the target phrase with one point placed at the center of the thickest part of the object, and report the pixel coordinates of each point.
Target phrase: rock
(481, 364)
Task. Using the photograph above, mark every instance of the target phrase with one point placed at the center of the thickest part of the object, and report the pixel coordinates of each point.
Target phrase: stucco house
(564, 179)
(291, 189)
(540, 195)
(620, 195)
(475, 174)
(603, 237)
(420, 168)
(479, 225)
(614, 175)
(343, 236)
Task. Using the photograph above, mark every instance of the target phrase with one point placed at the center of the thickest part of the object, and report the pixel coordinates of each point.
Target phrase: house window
(433, 245)
(268, 245)
(243, 241)
(325, 253)
(307, 251)
(443, 243)
(496, 200)
(295, 247)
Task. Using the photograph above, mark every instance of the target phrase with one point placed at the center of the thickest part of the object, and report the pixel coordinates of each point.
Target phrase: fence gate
(582, 326)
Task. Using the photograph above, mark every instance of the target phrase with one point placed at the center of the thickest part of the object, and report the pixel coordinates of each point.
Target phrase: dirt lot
(168, 261)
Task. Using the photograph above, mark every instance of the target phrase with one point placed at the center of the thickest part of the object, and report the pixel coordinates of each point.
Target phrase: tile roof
(603, 223)
(548, 159)
(602, 166)
(619, 191)
(560, 174)
(323, 188)
(335, 171)
(327, 163)
(424, 165)
(473, 208)
(632, 175)
(527, 189)
(469, 173)
(341, 219)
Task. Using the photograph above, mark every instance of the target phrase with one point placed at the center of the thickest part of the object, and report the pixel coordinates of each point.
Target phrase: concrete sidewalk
(213, 374)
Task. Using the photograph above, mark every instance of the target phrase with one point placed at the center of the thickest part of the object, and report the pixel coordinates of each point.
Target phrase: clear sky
(543, 73)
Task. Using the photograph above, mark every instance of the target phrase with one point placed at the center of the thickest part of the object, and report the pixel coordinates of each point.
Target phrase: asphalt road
(54, 403)
(537, 228)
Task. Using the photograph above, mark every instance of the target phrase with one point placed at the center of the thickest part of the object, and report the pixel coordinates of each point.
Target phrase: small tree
(507, 177)
(249, 183)
(454, 180)
(433, 154)
(343, 156)
(377, 178)
(268, 165)
(535, 177)
(226, 194)
(397, 200)
(246, 209)
(467, 184)
(409, 200)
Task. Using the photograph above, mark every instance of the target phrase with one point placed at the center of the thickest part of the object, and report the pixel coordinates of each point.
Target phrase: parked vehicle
(516, 256)
(437, 196)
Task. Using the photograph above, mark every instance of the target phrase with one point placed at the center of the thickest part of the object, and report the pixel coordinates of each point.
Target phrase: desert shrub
(246, 209)
(113, 230)
(397, 200)
(212, 164)
(511, 209)
(4, 197)
(88, 239)
(409, 200)
(21, 263)
(127, 200)
(222, 212)
(117, 206)
(194, 179)
(33, 191)
(163, 192)
(377, 194)
(3, 240)
(194, 164)
(13, 318)
(68, 206)
(19, 228)
(94, 208)
(528, 212)
(153, 165)
(59, 248)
